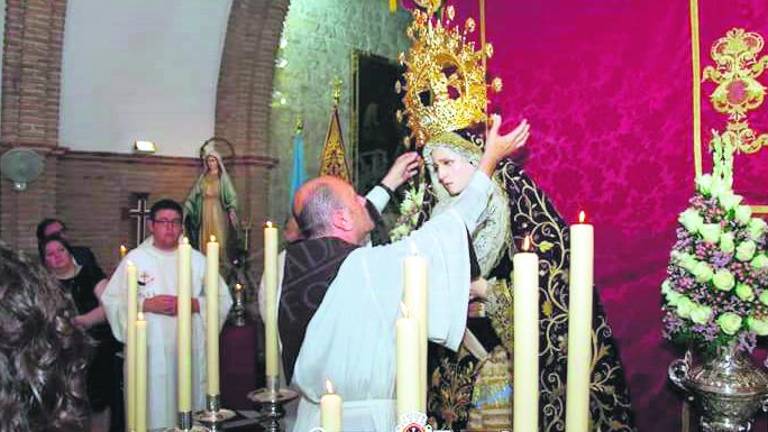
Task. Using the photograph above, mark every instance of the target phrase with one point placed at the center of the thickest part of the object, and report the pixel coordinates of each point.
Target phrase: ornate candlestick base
(185, 424)
(213, 415)
(272, 398)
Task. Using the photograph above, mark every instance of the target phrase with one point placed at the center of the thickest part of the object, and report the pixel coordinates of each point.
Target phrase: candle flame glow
(329, 386)
(184, 241)
(238, 287)
(527, 243)
(213, 239)
(268, 224)
(140, 316)
(582, 217)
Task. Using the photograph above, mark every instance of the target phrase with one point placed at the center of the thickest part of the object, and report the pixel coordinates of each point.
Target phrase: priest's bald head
(329, 207)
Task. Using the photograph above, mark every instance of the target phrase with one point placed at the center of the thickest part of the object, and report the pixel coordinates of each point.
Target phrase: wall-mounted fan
(21, 166)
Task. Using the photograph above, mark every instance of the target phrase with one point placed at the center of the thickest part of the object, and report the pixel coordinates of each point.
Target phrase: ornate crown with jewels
(446, 87)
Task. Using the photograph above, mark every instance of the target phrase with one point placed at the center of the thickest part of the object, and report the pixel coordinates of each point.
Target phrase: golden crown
(445, 76)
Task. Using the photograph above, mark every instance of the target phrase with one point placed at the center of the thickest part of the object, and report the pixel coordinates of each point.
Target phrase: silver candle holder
(237, 316)
(213, 416)
(185, 424)
(271, 399)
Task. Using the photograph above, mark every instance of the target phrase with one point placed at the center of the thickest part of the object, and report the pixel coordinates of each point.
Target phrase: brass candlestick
(213, 415)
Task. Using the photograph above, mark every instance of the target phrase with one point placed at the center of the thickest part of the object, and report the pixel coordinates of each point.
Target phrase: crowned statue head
(445, 93)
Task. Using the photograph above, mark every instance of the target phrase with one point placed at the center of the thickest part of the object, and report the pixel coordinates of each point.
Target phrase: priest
(340, 301)
(156, 264)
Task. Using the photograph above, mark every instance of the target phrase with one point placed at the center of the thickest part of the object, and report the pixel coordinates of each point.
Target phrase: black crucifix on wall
(140, 213)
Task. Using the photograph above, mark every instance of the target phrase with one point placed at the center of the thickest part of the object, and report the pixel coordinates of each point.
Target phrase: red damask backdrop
(606, 85)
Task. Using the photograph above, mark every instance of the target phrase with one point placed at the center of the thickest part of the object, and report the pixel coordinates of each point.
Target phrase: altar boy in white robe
(340, 301)
(156, 265)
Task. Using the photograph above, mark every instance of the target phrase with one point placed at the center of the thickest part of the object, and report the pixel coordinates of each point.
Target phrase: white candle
(580, 326)
(526, 340)
(130, 345)
(212, 315)
(330, 410)
(141, 374)
(184, 326)
(415, 299)
(407, 373)
(270, 320)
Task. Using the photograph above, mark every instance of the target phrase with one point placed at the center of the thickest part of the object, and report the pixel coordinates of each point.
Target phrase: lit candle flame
(184, 240)
(268, 224)
(527, 243)
(123, 251)
(582, 217)
(140, 316)
(329, 386)
(213, 239)
(238, 287)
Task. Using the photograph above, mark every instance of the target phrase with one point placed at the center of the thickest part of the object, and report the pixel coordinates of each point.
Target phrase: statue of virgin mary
(472, 389)
(211, 206)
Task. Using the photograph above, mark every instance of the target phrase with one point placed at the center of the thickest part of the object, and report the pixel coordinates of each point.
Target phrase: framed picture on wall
(376, 133)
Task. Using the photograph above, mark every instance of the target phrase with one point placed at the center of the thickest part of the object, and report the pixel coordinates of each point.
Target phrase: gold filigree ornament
(738, 90)
(445, 83)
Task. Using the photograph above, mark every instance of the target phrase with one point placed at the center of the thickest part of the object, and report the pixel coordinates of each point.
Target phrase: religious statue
(487, 348)
(211, 206)
(471, 389)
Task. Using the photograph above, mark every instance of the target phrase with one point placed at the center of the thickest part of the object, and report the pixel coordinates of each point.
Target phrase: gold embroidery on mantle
(738, 90)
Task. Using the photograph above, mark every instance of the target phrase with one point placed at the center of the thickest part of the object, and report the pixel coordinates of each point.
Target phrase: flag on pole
(298, 175)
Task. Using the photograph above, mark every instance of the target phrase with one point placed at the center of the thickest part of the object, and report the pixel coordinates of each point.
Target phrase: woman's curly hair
(43, 356)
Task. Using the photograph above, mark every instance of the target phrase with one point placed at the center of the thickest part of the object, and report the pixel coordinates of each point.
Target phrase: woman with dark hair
(43, 356)
(85, 284)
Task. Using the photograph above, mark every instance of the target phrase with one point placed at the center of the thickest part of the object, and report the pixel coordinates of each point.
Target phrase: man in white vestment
(156, 264)
(404, 167)
(340, 301)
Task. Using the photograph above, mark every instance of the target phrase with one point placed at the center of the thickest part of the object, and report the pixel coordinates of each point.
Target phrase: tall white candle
(526, 340)
(330, 410)
(580, 326)
(184, 326)
(141, 374)
(270, 320)
(415, 299)
(212, 316)
(130, 345)
(407, 373)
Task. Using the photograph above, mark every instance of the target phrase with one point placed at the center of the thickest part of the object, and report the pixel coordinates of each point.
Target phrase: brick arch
(245, 92)
(247, 69)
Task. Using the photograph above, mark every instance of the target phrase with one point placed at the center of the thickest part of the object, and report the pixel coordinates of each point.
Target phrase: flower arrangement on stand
(716, 298)
(716, 290)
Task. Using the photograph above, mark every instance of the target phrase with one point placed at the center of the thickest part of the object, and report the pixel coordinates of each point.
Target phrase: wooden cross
(141, 214)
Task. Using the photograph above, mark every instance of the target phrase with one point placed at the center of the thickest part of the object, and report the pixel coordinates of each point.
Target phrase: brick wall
(29, 114)
(95, 190)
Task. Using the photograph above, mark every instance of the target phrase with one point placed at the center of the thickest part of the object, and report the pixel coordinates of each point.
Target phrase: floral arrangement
(410, 210)
(716, 290)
